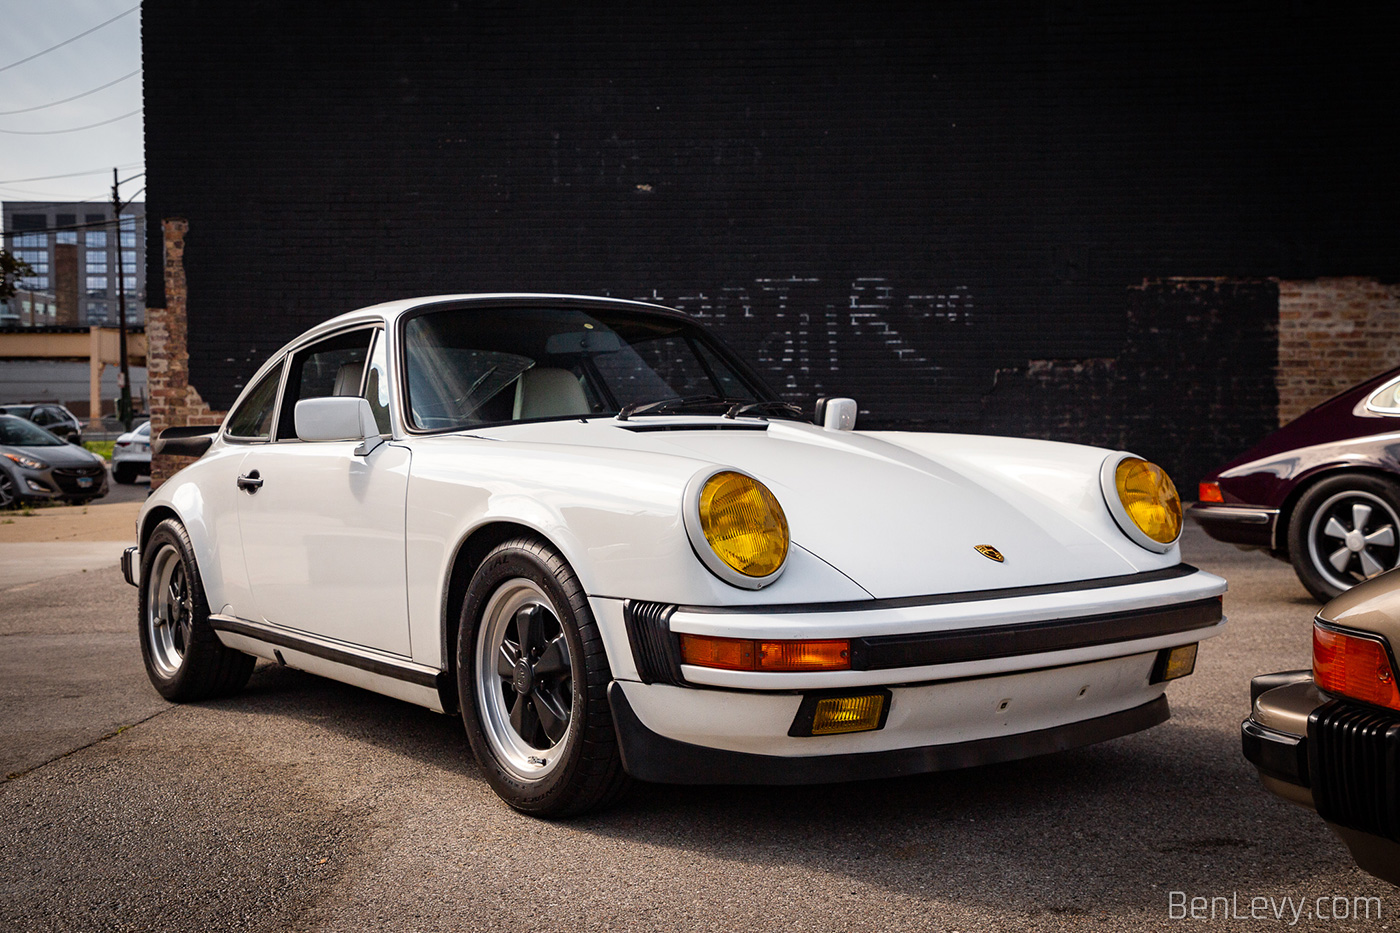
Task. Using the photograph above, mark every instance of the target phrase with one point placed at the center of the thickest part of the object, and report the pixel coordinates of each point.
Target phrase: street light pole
(124, 375)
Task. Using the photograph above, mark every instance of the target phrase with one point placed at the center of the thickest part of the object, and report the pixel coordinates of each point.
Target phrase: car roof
(391, 311)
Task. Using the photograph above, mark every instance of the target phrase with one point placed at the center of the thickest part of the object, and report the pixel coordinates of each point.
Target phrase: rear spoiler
(191, 441)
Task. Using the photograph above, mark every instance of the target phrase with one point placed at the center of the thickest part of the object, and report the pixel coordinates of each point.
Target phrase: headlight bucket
(1143, 501)
(736, 527)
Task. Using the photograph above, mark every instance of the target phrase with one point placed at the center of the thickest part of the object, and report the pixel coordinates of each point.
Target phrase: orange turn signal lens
(1210, 492)
(1354, 666)
(745, 654)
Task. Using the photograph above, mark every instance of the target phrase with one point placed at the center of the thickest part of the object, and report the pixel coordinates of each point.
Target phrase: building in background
(1157, 226)
(74, 249)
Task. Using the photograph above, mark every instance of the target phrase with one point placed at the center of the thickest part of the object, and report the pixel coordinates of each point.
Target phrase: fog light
(1173, 663)
(829, 714)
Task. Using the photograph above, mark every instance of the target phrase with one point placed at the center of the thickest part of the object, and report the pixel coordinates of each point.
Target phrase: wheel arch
(151, 519)
(1289, 505)
(470, 553)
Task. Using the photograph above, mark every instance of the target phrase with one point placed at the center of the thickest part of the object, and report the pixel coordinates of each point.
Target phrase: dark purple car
(1323, 491)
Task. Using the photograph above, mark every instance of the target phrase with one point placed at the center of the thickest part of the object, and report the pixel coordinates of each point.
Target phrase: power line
(73, 129)
(52, 202)
(74, 39)
(95, 171)
(8, 113)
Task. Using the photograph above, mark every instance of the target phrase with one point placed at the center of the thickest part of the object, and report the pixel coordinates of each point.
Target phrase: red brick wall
(1333, 333)
(173, 400)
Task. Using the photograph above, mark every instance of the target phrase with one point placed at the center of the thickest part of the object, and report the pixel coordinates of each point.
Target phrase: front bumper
(967, 678)
(1246, 526)
(131, 565)
(61, 483)
(1337, 757)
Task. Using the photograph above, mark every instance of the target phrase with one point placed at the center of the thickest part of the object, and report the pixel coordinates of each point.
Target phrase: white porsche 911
(589, 528)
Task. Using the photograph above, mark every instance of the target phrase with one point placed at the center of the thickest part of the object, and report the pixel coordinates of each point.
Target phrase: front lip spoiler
(648, 756)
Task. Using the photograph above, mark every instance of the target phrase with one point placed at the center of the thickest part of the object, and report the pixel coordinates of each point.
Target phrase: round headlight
(738, 529)
(1143, 501)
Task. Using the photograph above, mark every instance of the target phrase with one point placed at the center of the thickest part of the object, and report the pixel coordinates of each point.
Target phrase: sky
(44, 142)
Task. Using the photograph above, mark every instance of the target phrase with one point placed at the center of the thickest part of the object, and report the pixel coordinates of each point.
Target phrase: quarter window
(252, 419)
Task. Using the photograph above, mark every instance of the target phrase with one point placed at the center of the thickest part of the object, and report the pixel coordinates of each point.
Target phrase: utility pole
(124, 375)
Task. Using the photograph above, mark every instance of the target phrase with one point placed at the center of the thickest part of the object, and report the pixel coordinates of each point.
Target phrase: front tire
(532, 679)
(9, 491)
(1344, 530)
(184, 658)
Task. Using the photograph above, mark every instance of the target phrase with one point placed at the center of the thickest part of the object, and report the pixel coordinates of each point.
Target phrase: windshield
(16, 432)
(469, 366)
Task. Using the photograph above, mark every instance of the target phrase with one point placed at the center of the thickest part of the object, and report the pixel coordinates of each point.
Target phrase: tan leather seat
(347, 378)
(544, 392)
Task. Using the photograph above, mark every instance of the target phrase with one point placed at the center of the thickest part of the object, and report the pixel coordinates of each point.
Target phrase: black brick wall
(894, 201)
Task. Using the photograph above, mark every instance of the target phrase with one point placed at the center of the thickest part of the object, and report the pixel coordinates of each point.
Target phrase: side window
(335, 366)
(252, 420)
(41, 416)
(377, 384)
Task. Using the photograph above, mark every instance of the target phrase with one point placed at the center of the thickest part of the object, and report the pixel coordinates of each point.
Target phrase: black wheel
(9, 494)
(532, 677)
(124, 473)
(1344, 530)
(184, 658)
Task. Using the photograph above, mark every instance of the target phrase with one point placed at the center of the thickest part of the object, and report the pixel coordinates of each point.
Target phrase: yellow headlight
(744, 524)
(1149, 498)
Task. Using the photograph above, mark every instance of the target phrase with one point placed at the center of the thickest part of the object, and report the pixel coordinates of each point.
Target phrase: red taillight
(1354, 666)
(1210, 492)
(746, 654)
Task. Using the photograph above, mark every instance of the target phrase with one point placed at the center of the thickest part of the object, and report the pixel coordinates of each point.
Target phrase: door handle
(250, 482)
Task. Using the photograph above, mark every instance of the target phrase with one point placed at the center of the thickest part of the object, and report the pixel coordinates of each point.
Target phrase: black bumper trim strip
(966, 596)
(1276, 754)
(408, 674)
(886, 652)
(651, 757)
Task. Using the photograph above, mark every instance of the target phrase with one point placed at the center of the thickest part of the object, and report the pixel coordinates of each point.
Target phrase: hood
(903, 514)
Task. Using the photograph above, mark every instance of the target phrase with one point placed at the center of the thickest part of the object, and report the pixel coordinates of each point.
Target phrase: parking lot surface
(306, 805)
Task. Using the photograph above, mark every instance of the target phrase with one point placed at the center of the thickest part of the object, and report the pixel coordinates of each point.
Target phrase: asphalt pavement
(306, 805)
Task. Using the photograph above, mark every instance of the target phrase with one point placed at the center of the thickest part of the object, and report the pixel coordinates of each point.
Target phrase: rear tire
(184, 658)
(1344, 530)
(532, 679)
(124, 473)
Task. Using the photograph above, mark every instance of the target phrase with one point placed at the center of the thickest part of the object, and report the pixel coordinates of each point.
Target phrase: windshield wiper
(772, 407)
(676, 404)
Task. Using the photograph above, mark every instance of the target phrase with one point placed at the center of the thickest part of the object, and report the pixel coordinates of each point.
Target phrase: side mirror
(338, 418)
(836, 414)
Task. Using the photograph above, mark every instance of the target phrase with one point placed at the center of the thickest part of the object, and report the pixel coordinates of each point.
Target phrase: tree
(11, 269)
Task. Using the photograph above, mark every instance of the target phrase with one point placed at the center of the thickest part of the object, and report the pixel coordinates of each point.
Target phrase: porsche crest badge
(989, 552)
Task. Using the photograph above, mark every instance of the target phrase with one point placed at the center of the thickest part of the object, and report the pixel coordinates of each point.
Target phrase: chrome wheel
(524, 679)
(8, 496)
(1353, 536)
(169, 611)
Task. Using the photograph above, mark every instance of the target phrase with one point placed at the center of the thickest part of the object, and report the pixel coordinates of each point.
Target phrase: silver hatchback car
(36, 465)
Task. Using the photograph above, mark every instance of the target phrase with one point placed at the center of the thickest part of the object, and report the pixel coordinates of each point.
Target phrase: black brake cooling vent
(653, 646)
